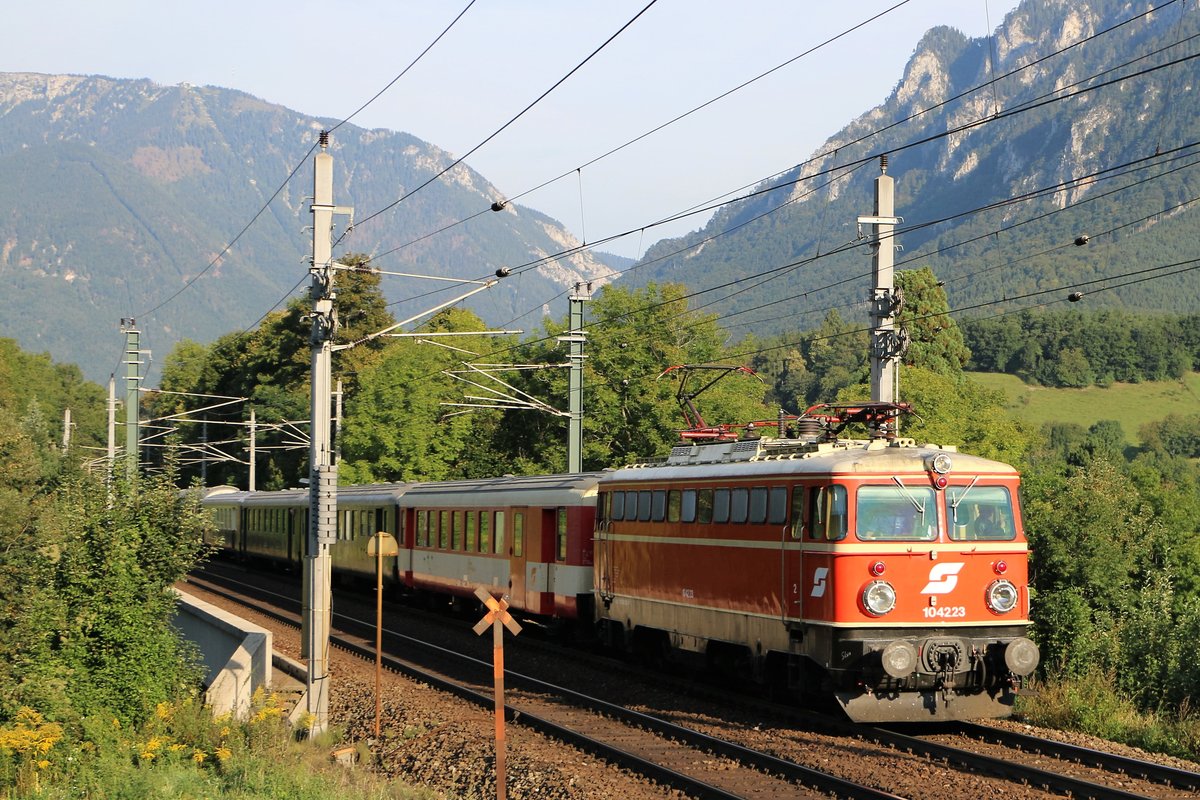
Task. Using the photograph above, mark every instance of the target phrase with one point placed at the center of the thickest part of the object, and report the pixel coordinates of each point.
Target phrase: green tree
(396, 427)
(937, 343)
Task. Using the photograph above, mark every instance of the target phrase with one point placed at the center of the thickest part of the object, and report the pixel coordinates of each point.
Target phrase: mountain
(121, 192)
(964, 135)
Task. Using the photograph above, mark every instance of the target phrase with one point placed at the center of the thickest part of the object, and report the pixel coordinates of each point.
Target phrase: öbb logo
(819, 577)
(943, 578)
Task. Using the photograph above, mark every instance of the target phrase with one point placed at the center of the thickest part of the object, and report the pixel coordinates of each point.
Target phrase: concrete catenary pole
(885, 345)
(322, 522)
(66, 437)
(576, 337)
(253, 456)
(133, 363)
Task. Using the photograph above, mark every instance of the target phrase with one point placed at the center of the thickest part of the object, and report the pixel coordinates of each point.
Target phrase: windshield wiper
(917, 504)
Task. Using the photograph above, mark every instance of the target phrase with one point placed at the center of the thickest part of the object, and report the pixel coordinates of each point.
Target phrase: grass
(1093, 706)
(183, 752)
(1131, 404)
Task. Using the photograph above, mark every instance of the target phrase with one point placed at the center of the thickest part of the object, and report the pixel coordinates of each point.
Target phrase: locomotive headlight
(941, 464)
(1002, 596)
(878, 598)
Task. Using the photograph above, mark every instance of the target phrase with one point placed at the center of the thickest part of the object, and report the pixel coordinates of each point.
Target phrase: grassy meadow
(1131, 404)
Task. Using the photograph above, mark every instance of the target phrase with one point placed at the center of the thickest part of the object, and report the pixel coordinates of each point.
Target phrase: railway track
(681, 757)
(702, 765)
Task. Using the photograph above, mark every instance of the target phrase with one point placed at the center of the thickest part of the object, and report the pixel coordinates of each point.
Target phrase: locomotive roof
(785, 457)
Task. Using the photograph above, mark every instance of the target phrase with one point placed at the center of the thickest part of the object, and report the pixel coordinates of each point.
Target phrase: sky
(327, 59)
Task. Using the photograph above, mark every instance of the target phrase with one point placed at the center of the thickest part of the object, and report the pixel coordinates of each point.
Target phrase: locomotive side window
(758, 505)
(896, 512)
(797, 512)
(603, 508)
(560, 535)
(688, 506)
(485, 531)
(720, 506)
(673, 504)
(617, 512)
(980, 512)
(777, 506)
(643, 506)
(658, 505)
(829, 513)
(704, 505)
(518, 533)
(739, 505)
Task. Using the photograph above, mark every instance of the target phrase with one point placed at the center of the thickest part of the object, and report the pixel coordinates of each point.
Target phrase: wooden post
(381, 544)
(497, 616)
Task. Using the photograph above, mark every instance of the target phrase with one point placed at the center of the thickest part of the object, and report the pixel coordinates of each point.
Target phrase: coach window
(603, 499)
(704, 505)
(658, 505)
(560, 535)
(389, 521)
(444, 530)
(422, 528)
(720, 506)
(458, 530)
(643, 506)
(674, 501)
(499, 550)
(471, 531)
(518, 533)
(485, 531)
(758, 505)
(618, 507)
(739, 503)
(828, 513)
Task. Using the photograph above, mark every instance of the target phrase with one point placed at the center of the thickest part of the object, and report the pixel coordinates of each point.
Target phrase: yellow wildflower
(163, 710)
(198, 756)
(223, 753)
(43, 764)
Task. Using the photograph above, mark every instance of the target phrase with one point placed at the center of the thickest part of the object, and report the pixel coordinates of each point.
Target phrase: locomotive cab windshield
(980, 513)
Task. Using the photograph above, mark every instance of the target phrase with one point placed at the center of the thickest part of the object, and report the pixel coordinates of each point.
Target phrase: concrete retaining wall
(237, 654)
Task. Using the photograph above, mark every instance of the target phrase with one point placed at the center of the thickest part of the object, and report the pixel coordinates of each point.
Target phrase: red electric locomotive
(887, 574)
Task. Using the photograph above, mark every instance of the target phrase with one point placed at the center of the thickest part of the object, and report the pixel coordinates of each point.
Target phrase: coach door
(517, 556)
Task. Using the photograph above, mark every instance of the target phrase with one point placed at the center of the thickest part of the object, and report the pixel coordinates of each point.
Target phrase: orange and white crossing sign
(496, 617)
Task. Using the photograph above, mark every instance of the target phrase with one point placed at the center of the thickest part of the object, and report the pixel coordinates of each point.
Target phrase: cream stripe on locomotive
(872, 623)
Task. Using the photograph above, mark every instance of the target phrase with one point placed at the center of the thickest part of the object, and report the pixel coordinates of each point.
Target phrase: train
(884, 575)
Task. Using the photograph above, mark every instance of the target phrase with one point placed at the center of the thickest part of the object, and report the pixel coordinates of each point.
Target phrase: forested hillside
(124, 192)
(1079, 130)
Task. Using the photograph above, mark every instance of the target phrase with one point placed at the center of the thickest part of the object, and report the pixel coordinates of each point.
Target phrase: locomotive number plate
(945, 612)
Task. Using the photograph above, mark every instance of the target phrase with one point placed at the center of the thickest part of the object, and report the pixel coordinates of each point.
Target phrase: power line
(216, 259)
(707, 205)
(505, 126)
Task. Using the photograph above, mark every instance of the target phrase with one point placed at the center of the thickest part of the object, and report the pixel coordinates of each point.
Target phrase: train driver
(987, 524)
